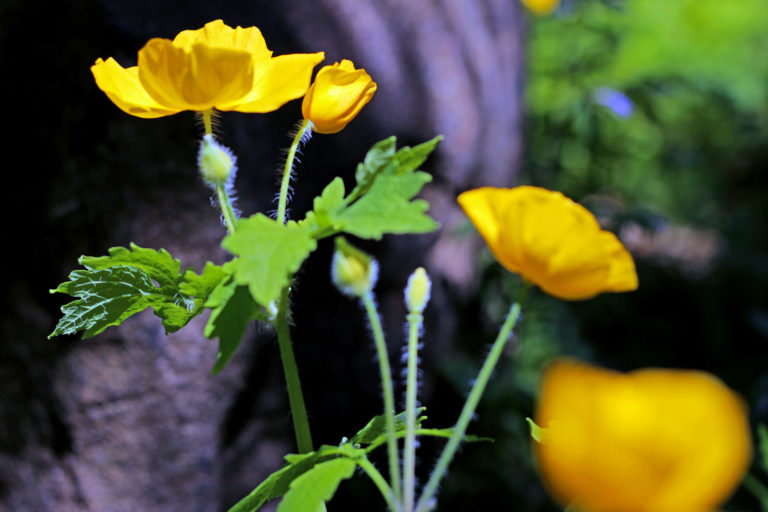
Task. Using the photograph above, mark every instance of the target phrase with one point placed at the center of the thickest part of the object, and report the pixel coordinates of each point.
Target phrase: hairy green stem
(295, 395)
(409, 448)
(386, 384)
(207, 123)
(226, 208)
(378, 480)
(469, 409)
(282, 203)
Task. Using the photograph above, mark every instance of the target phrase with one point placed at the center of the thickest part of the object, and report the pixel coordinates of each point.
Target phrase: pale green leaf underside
(309, 491)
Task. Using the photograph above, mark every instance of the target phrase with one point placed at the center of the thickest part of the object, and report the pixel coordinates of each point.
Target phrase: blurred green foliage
(652, 113)
(650, 101)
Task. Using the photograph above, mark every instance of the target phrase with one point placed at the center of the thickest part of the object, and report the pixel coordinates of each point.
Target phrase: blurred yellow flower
(651, 440)
(213, 67)
(541, 6)
(550, 241)
(337, 95)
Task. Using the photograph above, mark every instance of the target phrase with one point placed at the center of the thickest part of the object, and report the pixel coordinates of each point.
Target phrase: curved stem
(226, 208)
(409, 448)
(386, 384)
(378, 480)
(469, 409)
(304, 128)
(295, 395)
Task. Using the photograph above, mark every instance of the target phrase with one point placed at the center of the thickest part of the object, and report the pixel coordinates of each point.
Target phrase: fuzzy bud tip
(417, 291)
(216, 162)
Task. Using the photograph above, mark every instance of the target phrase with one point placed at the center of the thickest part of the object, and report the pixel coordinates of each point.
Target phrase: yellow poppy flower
(550, 241)
(337, 95)
(213, 67)
(651, 440)
(541, 6)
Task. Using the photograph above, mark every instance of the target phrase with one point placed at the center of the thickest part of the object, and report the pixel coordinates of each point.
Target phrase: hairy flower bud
(337, 95)
(417, 291)
(352, 271)
(216, 162)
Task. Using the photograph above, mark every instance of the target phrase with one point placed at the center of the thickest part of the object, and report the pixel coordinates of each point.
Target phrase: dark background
(132, 420)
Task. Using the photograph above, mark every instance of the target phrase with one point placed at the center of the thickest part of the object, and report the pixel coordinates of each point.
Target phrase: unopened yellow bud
(353, 272)
(417, 291)
(336, 96)
(541, 7)
(216, 162)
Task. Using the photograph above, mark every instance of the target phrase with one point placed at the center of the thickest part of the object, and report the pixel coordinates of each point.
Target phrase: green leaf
(409, 159)
(269, 253)
(377, 427)
(279, 482)
(114, 287)
(379, 159)
(107, 297)
(309, 491)
(233, 309)
(387, 208)
(159, 265)
(762, 435)
(328, 203)
(538, 433)
(448, 432)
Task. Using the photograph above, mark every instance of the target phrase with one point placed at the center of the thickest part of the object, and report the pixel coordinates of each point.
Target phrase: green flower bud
(216, 162)
(352, 271)
(417, 291)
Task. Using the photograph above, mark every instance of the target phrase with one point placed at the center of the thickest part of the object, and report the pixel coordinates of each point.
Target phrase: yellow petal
(217, 33)
(198, 77)
(286, 78)
(649, 441)
(337, 96)
(550, 241)
(122, 86)
(541, 6)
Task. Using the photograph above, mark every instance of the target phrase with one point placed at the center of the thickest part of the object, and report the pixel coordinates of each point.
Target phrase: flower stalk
(424, 503)
(305, 129)
(389, 399)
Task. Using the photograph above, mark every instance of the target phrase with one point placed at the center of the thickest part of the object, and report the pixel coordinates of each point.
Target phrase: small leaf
(233, 310)
(387, 208)
(107, 297)
(309, 491)
(538, 433)
(379, 159)
(269, 253)
(409, 159)
(327, 204)
(448, 432)
(278, 483)
(377, 427)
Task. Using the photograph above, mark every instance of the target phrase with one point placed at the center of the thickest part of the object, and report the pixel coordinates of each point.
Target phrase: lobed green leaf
(269, 253)
(309, 491)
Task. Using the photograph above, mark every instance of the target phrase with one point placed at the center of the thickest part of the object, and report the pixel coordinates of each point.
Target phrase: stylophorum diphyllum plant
(546, 238)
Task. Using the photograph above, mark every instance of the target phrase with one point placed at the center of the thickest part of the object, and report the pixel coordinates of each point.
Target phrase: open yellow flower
(336, 96)
(213, 67)
(651, 440)
(550, 241)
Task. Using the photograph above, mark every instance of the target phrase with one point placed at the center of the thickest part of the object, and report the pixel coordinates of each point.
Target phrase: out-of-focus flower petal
(337, 95)
(541, 6)
(550, 241)
(195, 78)
(122, 86)
(286, 78)
(652, 440)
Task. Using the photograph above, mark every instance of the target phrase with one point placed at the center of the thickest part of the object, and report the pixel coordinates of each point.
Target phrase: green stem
(295, 396)
(386, 384)
(207, 114)
(226, 208)
(378, 480)
(409, 449)
(288, 169)
(469, 409)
